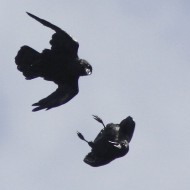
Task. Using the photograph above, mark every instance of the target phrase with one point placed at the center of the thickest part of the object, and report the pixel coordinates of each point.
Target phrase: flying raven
(59, 64)
(112, 142)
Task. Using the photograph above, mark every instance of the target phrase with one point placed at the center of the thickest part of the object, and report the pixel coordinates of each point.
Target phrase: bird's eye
(88, 71)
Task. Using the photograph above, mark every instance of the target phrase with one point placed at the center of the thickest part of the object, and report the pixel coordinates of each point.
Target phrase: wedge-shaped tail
(26, 60)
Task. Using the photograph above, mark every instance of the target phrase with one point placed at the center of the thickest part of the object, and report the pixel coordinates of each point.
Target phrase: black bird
(59, 64)
(112, 142)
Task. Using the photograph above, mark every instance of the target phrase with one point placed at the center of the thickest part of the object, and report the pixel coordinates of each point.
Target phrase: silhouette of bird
(112, 142)
(59, 64)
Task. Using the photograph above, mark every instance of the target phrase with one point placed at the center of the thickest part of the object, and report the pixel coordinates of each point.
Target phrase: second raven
(59, 64)
(112, 142)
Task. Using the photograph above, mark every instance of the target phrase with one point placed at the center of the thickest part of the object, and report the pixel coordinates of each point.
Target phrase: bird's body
(112, 142)
(59, 64)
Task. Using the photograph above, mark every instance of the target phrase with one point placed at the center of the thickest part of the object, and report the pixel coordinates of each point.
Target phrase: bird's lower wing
(94, 160)
(61, 96)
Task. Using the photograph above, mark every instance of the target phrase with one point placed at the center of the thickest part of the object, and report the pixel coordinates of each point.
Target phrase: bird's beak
(88, 71)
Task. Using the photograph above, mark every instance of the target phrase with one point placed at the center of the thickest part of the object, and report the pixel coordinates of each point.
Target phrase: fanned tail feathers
(25, 60)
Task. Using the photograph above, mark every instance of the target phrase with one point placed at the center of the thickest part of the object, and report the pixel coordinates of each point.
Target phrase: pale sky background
(139, 50)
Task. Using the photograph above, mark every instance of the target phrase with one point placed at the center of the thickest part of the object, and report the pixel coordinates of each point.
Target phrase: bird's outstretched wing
(62, 95)
(61, 41)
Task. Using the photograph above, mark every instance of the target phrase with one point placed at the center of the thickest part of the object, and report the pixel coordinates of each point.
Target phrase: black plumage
(112, 142)
(59, 64)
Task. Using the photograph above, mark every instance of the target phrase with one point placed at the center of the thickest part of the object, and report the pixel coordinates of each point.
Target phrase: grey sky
(139, 50)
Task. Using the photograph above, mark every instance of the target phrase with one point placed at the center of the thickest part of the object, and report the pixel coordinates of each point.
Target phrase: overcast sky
(139, 50)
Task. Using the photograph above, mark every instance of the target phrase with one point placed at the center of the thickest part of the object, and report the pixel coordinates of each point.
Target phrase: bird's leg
(99, 120)
(81, 137)
(90, 143)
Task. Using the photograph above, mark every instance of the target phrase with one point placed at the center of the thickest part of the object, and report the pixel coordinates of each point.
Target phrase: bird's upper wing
(61, 41)
(62, 95)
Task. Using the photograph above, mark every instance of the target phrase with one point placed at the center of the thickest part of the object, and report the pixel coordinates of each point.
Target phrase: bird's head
(86, 68)
(127, 127)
